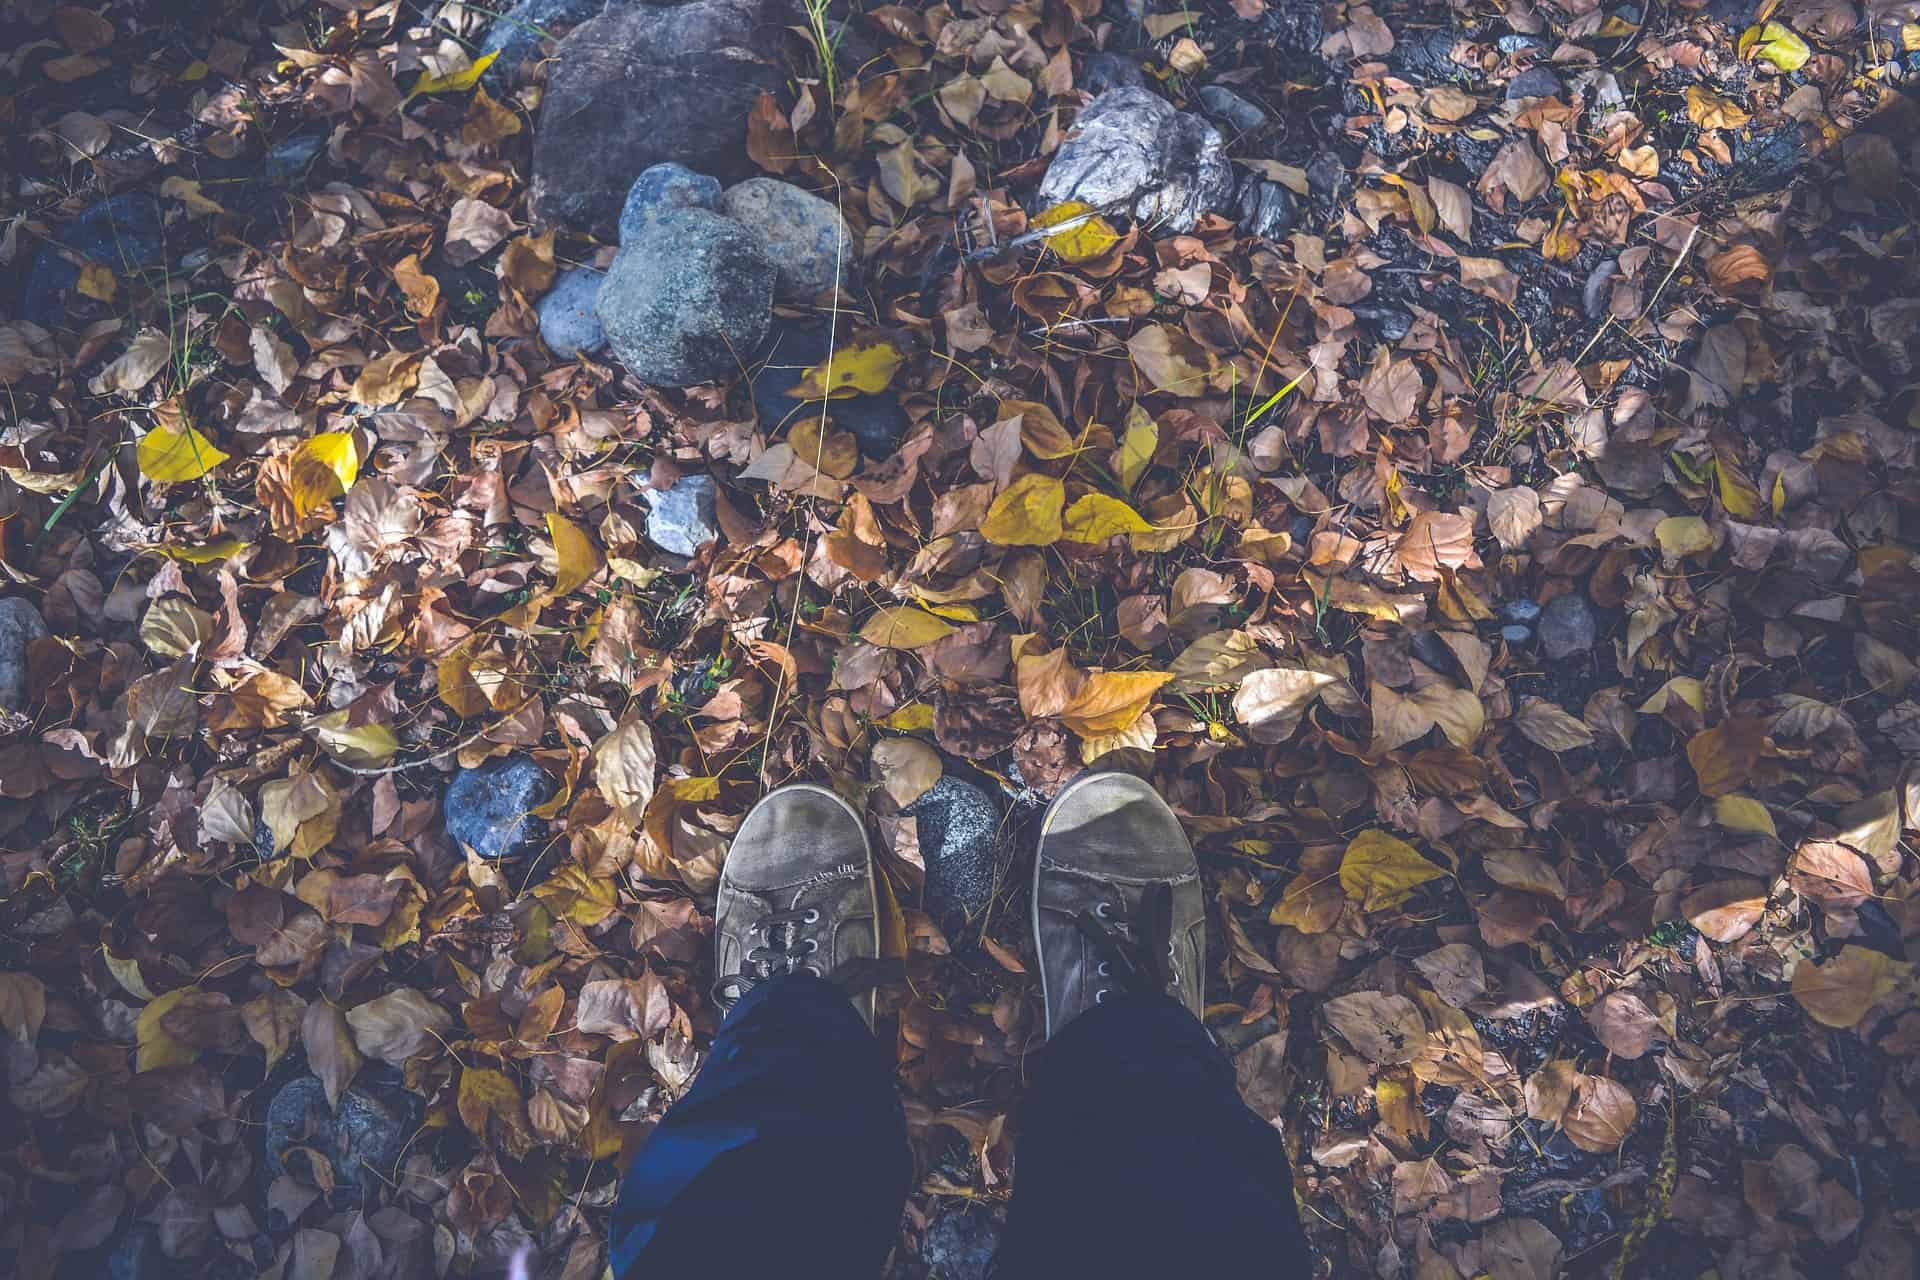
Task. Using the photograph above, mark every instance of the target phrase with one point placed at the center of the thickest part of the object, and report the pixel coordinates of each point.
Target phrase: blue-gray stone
(567, 323)
(1392, 323)
(1103, 71)
(688, 300)
(364, 1140)
(960, 1243)
(123, 232)
(20, 625)
(1228, 107)
(1264, 208)
(1523, 611)
(959, 830)
(1130, 152)
(1514, 633)
(682, 517)
(876, 421)
(663, 187)
(287, 162)
(1534, 82)
(487, 808)
(809, 243)
(1567, 626)
(516, 34)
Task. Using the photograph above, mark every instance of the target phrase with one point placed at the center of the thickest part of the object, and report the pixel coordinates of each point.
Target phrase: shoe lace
(1136, 950)
(785, 946)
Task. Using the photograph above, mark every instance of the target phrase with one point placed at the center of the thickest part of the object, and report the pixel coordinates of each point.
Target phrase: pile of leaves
(1596, 961)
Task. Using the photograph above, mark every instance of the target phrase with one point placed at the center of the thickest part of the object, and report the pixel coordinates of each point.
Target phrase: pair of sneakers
(1117, 906)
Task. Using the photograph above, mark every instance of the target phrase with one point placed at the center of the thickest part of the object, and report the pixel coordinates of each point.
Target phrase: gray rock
(661, 188)
(876, 420)
(688, 299)
(286, 163)
(959, 829)
(643, 83)
(364, 1140)
(1523, 612)
(810, 244)
(1567, 626)
(1514, 633)
(1519, 43)
(1103, 71)
(1131, 152)
(959, 1244)
(20, 625)
(1264, 208)
(1392, 323)
(123, 232)
(488, 807)
(567, 323)
(516, 35)
(1228, 107)
(1534, 82)
(1432, 650)
(682, 517)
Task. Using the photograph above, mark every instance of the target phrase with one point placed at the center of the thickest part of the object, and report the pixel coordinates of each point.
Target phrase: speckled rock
(1567, 626)
(516, 35)
(1228, 107)
(1523, 611)
(567, 323)
(20, 625)
(682, 517)
(960, 1243)
(876, 421)
(661, 188)
(1103, 71)
(810, 244)
(688, 300)
(1264, 208)
(1534, 82)
(959, 830)
(364, 1140)
(1131, 152)
(487, 807)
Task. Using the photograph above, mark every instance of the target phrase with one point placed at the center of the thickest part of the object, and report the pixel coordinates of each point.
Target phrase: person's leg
(789, 1154)
(1135, 1155)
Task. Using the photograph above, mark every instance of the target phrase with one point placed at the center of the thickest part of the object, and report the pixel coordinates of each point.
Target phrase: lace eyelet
(1100, 996)
(813, 969)
(1105, 970)
(812, 916)
(1103, 912)
(813, 945)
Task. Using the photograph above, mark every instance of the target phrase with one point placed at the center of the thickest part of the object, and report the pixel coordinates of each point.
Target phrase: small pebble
(568, 324)
(489, 808)
(1514, 633)
(1523, 611)
(1534, 82)
(1228, 107)
(682, 518)
(20, 625)
(1567, 626)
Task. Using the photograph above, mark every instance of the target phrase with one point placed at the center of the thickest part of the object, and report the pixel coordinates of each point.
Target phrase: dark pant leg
(788, 1152)
(1136, 1157)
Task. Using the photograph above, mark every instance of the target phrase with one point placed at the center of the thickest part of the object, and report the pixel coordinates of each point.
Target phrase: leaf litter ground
(1504, 570)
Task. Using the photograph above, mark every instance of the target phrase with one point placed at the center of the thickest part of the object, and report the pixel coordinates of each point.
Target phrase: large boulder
(810, 243)
(1131, 152)
(123, 233)
(644, 83)
(688, 299)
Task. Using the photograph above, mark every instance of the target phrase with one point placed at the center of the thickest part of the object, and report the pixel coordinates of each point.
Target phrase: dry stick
(441, 754)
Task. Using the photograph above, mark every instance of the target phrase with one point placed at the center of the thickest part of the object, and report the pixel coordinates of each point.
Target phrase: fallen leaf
(1383, 1029)
(903, 626)
(1110, 701)
(1272, 701)
(1095, 517)
(1380, 871)
(1840, 992)
(1088, 236)
(864, 365)
(1027, 513)
(174, 455)
(397, 1026)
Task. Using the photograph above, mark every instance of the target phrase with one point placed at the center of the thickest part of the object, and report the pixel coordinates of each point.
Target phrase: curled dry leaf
(1271, 702)
(904, 768)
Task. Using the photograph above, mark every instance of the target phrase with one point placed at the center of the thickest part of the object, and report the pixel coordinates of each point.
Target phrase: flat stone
(682, 518)
(660, 188)
(1228, 107)
(287, 163)
(488, 807)
(688, 299)
(1523, 611)
(1131, 152)
(1514, 633)
(516, 34)
(123, 233)
(643, 83)
(876, 421)
(1567, 626)
(20, 625)
(959, 829)
(567, 323)
(1390, 322)
(810, 244)
(1534, 82)
(1264, 208)
(364, 1140)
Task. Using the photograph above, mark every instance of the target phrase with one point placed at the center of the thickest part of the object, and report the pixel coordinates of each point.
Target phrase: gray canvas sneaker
(796, 895)
(1117, 906)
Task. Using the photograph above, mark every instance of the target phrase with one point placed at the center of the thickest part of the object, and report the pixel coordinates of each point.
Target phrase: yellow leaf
(155, 1047)
(1110, 701)
(1095, 517)
(323, 468)
(1686, 689)
(362, 744)
(1087, 237)
(915, 717)
(1682, 536)
(1711, 111)
(218, 549)
(901, 626)
(579, 558)
(1136, 451)
(171, 455)
(1840, 992)
(1739, 495)
(865, 365)
(455, 81)
(1379, 870)
(1027, 513)
(1777, 44)
(97, 282)
(1744, 813)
